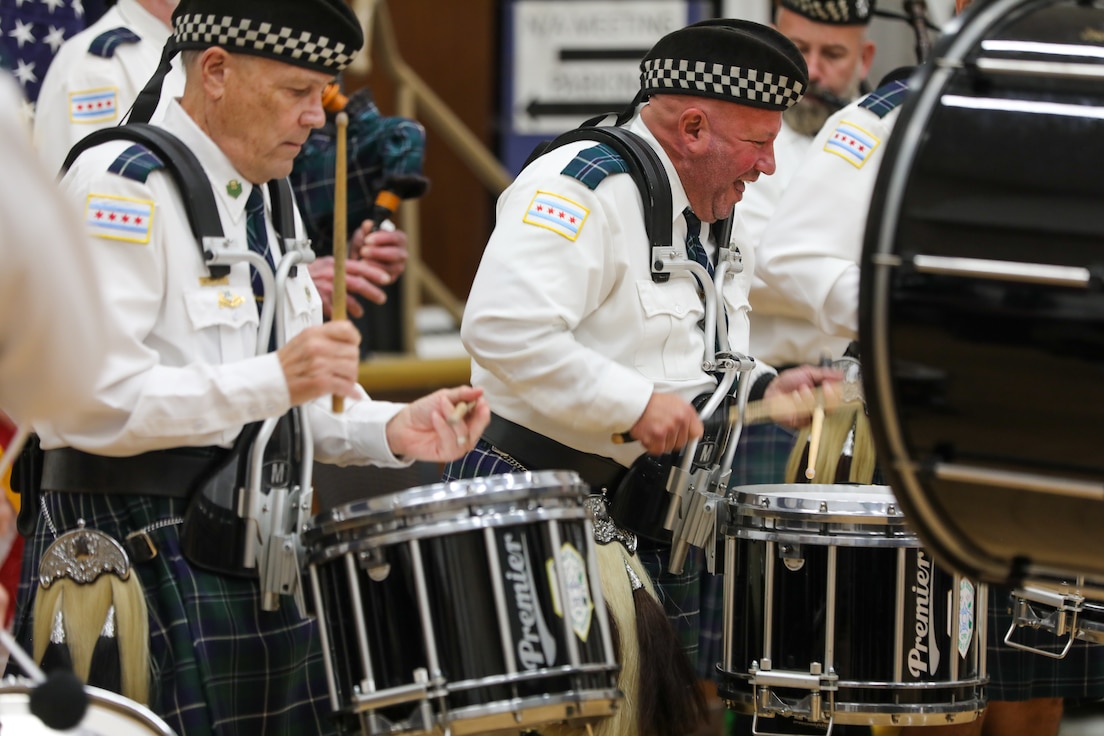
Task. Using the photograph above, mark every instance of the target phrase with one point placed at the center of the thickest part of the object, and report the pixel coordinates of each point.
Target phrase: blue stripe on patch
(136, 162)
(94, 105)
(852, 143)
(556, 213)
(106, 43)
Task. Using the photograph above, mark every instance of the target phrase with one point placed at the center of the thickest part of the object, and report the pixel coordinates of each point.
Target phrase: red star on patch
(111, 217)
(99, 214)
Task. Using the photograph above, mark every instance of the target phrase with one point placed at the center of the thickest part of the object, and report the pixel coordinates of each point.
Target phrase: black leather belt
(537, 452)
(168, 473)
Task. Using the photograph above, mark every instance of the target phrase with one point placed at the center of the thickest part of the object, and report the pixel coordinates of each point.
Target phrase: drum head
(109, 714)
(982, 320)
(446, 508)
(824, 514)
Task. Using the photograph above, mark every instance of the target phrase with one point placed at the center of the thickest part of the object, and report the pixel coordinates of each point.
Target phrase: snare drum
(833, 613)
(981, 311)
(469, 607)
(108, 714)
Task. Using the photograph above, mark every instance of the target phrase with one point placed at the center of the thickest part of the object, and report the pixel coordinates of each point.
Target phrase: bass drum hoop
(903, 471)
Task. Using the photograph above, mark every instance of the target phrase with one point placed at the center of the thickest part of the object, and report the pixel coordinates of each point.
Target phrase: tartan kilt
(219, 664)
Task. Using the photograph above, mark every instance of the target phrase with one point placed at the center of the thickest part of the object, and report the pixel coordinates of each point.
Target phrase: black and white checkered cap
(835, 12)
(735, 60)
(323, 35)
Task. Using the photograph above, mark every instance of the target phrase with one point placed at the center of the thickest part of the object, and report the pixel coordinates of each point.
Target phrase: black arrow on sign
(537, 109)
(602, 54)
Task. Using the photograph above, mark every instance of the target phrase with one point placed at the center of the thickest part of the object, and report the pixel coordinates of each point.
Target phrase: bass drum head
(982, 316)
(109, 714)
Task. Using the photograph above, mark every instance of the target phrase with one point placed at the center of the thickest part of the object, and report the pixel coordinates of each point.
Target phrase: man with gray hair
(191, 368)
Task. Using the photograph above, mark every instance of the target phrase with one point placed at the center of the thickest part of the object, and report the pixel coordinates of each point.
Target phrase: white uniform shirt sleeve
(52, 332)
(183, 368)
(533, 289)
(809, 253)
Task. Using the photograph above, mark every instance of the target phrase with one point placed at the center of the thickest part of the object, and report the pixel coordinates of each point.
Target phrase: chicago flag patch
(555, 213)
(851, 143)
(118, 218)
(94, 105)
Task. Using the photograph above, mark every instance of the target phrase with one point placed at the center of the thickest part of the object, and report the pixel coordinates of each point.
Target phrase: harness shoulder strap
(187, 174)
(647, 172)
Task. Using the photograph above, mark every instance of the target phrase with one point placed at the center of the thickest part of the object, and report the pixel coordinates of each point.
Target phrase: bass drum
(981, 295)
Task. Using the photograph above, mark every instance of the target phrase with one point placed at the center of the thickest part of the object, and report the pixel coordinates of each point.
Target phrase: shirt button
(678, 309)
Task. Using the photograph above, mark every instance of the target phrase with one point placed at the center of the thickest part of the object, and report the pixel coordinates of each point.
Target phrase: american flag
(31, 32)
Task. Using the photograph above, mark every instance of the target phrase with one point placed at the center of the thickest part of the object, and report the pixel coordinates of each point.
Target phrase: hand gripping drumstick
(827, 396)
(339, 233)
(457, 415)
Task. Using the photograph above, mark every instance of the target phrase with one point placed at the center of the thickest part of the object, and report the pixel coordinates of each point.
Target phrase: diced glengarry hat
(322, 35)
(836, 12)
(735, 60)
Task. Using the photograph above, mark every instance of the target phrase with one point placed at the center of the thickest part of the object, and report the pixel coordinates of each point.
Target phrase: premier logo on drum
(923, 658)
(537, 647)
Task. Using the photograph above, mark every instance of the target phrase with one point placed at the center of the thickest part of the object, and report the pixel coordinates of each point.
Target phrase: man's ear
(214, 64)
(693, 128)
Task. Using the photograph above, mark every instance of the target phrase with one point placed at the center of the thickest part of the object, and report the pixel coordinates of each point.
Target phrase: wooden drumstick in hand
(340, 232)
(457, 416)
(814, 437)
(818, 423)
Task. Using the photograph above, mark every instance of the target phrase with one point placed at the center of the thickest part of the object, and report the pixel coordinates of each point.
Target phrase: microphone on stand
(58, 699)
(396, 188)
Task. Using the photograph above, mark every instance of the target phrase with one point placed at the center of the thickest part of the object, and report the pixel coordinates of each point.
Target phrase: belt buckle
(140, 552)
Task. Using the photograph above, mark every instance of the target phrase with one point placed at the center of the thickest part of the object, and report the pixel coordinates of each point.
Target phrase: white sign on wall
(573, 60)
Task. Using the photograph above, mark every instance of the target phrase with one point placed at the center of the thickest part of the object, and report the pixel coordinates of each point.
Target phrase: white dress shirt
(569, 335)
(185, 371)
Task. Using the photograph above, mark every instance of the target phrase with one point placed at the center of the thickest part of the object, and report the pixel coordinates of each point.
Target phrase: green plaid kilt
(219, 664)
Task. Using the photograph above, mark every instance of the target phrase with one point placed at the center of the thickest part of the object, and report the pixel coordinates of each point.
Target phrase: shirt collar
(679, 200)
(220, 171)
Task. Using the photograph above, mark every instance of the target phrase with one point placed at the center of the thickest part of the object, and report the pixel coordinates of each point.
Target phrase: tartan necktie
(257, 236)
(694, 247)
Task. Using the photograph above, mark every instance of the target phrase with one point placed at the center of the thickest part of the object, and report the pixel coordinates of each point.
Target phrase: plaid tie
(694, 247)
(257, 235)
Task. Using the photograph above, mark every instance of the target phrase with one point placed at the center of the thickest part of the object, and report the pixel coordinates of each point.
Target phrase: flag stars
(22, 33)
(24, 72)
(53, 4)
(55, 38)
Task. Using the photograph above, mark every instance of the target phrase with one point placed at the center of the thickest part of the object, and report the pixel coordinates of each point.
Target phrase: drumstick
(339, 233)
(827, 395)
(457, 415)
(814, 438)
